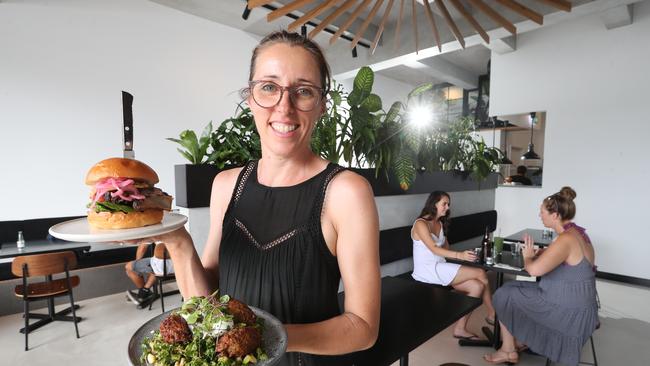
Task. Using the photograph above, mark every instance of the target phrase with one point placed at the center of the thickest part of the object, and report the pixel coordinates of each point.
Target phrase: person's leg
(470, 273)
(473, 288)
(507, 352)
(135, 277)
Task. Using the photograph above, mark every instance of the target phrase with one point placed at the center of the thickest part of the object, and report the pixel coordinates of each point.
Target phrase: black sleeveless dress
(273, 254)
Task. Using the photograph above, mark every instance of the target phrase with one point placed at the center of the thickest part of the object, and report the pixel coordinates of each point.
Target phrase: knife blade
(127, 113)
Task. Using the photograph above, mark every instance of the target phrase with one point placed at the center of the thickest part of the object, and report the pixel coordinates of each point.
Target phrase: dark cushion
(396, 244)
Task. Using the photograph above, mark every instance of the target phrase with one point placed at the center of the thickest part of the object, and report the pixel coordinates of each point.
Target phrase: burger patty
(155, 199)
(174, 330)
(239, 342)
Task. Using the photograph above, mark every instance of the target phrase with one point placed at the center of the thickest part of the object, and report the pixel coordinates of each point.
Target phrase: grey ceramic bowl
(274, 338)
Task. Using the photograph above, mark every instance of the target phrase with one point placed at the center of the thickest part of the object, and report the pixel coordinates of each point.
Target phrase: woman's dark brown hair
(562, 203)
(429, 211)
(294, 40)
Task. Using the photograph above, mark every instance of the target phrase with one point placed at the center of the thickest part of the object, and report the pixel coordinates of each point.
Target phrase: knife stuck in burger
(123, 195)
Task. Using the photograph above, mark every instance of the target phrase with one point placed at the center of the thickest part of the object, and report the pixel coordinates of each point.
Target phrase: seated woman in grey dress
(556, 316)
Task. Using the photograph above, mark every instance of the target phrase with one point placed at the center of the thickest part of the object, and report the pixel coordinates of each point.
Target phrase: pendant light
(505, 160)
(531, 154)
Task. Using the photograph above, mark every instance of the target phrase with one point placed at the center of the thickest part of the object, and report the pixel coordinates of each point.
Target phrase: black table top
(411, 313)
(537, 235)
(505, 258)
(9, 250)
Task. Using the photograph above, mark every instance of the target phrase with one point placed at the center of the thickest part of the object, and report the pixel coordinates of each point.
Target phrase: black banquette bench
(413, 312)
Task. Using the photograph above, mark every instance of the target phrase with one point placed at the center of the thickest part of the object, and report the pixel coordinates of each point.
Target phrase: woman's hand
(528, 251)
(171, 240)
(467, 255)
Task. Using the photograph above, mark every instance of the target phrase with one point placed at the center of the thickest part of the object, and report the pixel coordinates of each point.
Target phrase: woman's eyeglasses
(268, 94)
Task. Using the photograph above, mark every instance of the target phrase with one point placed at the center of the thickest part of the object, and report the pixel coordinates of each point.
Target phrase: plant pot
(427, 182)
(194, 184)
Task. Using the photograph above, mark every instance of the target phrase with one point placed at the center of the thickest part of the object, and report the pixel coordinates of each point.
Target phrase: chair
(46, 265)
(593, 352)
(161, 252)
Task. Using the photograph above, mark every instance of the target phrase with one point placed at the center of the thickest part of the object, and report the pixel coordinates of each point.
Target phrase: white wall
(593, 84)
(63, 65)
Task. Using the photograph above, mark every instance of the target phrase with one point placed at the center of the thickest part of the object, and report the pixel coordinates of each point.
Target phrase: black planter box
(426, 182)
(193, 184)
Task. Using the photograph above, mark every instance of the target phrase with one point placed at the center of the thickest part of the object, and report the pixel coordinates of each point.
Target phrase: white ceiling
(459, 66)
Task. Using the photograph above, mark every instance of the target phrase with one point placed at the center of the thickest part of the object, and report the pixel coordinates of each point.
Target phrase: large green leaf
(420, 89)
(364, 80)
(372, 103)
(394, 111)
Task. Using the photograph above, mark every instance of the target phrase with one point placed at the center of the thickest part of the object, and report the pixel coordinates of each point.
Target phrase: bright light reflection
(421, 116)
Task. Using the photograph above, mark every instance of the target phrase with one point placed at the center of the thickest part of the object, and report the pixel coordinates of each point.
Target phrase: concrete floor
(110, 321)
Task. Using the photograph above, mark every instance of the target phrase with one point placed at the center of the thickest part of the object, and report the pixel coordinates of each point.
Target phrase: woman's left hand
(528, 251)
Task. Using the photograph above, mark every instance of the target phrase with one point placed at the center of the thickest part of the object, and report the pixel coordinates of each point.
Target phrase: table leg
(404, 360)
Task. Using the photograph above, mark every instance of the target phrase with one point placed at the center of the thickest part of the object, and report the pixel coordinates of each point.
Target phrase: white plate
(80, 230)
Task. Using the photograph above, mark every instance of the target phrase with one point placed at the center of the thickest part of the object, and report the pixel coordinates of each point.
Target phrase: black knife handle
(127, 111)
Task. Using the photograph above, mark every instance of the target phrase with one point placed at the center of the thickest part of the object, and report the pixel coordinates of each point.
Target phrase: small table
(9, 250)
(537, 234)
(493, 335)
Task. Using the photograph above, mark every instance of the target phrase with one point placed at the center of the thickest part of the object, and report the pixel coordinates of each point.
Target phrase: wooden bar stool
(46, 265)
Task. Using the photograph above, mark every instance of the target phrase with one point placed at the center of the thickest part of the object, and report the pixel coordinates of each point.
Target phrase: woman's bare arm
(351, 212)
(422, 233)
(549, 259)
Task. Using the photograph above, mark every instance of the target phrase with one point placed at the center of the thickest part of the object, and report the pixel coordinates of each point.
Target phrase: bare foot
(500, 357)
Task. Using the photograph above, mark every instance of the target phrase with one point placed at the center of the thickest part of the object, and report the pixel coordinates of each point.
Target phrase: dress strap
(241, 182)
(334, 169)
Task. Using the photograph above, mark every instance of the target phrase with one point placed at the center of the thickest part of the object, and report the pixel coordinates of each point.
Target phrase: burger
(123, 195)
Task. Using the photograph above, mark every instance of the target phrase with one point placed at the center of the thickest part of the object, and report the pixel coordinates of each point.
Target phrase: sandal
(506, 357)
(489, 320)
(472, 337)
(521, 348)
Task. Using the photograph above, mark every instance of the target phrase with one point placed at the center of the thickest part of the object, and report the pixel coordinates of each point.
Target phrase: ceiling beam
(461, 9)
(617, 17)
(313, 13)
(450, 22)
(523, 11)
(350, 20)
(330, 18)
(432, 21)
(503, 45)
(498, 18)
(558, 4)
(442, 69)
(389, 7)
(279, 12)
(366, 22)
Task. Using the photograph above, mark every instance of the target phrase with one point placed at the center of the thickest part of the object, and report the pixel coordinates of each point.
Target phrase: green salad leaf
(208, 318)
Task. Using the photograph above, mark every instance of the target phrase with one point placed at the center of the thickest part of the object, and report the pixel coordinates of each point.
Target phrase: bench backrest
(396, 244)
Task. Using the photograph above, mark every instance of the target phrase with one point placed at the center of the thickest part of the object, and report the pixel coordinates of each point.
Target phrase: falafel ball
(241, 312)
(239, 342)
(174, 330)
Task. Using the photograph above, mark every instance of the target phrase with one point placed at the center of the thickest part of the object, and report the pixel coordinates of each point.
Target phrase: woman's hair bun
(568, 192)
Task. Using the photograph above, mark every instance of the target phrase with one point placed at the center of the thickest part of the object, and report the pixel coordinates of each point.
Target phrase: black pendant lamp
(531, 154)
(505, 160)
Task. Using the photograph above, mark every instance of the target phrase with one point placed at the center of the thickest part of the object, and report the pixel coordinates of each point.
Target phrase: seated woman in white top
(430, 248)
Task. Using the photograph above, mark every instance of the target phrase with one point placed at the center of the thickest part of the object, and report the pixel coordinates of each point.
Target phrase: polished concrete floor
(110, 321)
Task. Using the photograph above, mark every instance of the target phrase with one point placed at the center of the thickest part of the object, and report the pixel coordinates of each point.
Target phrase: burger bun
(121, 168)
(121, 220)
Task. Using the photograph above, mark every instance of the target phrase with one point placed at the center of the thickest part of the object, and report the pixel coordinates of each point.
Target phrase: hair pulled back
(562, 203)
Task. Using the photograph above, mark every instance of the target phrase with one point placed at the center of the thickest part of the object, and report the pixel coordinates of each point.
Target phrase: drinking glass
(516, 249)
(498, 245)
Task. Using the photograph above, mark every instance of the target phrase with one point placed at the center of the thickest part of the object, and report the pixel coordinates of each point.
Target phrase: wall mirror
(521, 137)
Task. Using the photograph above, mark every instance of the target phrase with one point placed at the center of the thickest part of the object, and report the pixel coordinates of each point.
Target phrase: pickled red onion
(118, 187)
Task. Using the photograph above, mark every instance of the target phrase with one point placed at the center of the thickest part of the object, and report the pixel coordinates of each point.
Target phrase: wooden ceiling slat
(399, 24)
(380, 30)
(350, 20)
(559, 4)
(523, 10)
(461, 9)
(331, 18)
(366, 22)
(255, 3)
(279, 12)
(505, 23)
(415, 25)
(432, 21)
(450, 22)
(311, 14)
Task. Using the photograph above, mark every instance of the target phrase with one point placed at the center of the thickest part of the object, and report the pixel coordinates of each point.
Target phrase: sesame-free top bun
(121, 220)
(120, 167)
